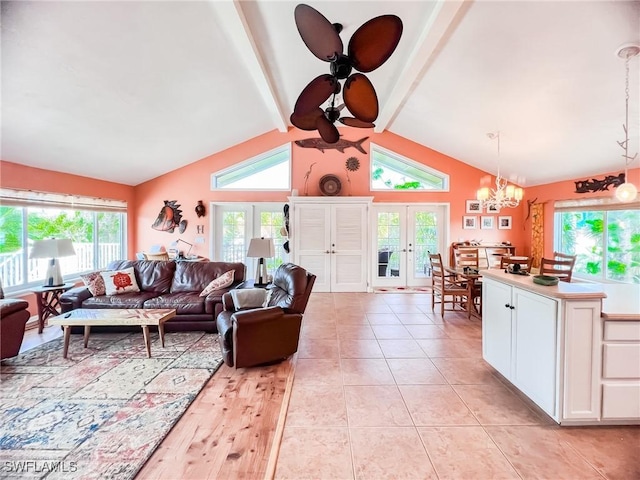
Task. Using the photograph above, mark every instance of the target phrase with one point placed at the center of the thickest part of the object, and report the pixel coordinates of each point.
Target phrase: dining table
(470, 276)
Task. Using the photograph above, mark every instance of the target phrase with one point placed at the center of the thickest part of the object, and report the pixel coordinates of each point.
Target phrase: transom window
(391, 171)
(268, 171)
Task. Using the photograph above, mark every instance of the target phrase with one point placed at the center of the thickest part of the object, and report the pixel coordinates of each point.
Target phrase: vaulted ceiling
(127, 91)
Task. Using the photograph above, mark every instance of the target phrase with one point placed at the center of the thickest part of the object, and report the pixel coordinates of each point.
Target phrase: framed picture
(486, 223)
(469, 222)
(492, 209)
(473, 206)
(504, 223)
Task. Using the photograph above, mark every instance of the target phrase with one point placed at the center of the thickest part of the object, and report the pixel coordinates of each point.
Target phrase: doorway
(403, 238)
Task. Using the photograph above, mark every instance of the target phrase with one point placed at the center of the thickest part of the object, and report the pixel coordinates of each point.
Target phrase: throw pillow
(120, 281)
(223, 281)
(248, 298)
(94, 282)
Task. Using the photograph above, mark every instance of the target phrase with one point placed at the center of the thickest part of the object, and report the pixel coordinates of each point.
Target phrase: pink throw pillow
(222, 281)
(94, 283)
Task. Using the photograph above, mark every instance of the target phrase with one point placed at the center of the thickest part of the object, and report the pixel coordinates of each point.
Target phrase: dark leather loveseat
(14, 314)
(165, 284)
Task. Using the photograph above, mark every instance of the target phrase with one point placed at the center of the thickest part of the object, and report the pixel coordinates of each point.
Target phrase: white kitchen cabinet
(573, 348)
(520, 340)
(330, 238)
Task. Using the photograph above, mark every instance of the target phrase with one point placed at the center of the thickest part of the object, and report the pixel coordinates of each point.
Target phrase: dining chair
(524, 262)
(445, 286)
(467, 257)
(560, 266)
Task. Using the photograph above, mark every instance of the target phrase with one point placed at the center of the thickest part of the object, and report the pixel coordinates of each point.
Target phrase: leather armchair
(14, 314)
(268, 334)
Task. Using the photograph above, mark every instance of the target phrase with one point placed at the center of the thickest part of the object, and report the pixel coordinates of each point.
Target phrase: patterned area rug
(102, 412)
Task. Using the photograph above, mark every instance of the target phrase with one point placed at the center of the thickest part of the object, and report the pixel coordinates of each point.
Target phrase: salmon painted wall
(549, 193)
(191, 183)
(13, 175)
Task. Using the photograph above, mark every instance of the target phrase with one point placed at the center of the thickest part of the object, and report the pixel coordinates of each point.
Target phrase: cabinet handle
(512, 307)
(327, 251)
(333, 251)
(506, 305)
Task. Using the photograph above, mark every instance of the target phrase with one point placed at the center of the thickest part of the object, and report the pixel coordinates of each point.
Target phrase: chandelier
(504, 195)
(627, 192)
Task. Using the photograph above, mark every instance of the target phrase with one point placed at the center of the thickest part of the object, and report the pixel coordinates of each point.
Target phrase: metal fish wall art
(340, 145)
(169, 218)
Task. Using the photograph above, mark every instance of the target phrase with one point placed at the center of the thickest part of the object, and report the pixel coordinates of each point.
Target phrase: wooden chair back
(445, 287)
(524, 262)
(467, 257)
(561, 266)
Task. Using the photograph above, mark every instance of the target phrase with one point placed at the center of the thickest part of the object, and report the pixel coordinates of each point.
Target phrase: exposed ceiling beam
(234, 23)
(443, 20)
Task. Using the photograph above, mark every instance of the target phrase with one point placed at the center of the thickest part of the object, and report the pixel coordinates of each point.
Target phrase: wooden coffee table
(88, 317)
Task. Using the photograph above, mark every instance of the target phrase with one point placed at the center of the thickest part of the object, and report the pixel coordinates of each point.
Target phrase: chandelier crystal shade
(504, 195)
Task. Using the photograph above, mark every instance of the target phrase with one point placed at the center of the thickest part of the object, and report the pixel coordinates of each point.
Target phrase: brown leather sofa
(165, 284)
(263, 335)
(14, 314)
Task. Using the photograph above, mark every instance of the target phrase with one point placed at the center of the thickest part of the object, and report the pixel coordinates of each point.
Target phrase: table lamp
(181, 254)
(261, 248)
(52, 249)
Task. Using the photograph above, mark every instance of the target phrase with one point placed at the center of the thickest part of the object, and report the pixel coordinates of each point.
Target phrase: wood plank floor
(226, 433)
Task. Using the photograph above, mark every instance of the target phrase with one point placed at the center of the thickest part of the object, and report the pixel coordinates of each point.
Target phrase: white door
(312, 241)
(403, 237)
(348, 248)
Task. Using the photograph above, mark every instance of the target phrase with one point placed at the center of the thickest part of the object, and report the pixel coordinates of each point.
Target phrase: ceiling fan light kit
(627, 192)
(369, 47)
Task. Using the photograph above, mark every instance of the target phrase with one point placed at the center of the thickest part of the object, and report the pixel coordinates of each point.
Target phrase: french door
(235, 224)
(403, 238)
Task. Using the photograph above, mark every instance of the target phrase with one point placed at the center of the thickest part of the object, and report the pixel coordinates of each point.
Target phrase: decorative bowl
(330, 185)
(546, 280)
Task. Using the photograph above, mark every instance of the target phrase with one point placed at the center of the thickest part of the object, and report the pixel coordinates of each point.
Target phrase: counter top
(620, 301)
(563, 290)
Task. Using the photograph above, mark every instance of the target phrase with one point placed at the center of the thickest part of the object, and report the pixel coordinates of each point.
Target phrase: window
(268, 171)
(96, 227)
(605, 239)
(390, 171)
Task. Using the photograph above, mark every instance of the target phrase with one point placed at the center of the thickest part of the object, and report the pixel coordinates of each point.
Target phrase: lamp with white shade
(53, 249)
(261, 248)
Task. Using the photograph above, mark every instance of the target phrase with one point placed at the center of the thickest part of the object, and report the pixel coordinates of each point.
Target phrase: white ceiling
(127, 91)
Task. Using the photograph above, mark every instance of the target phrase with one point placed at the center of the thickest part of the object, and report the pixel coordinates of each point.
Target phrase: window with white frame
(392, 171)
(235, 224)
(268, 171)
(604, 236)
(97, 228)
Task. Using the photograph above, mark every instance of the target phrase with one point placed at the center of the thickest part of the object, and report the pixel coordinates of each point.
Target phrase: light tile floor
(385, 388)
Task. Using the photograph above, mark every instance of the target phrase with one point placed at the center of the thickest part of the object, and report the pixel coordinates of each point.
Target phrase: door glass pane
(388, 244)
(234, 247)
(425, 241)
(270, 225)
(582, 234)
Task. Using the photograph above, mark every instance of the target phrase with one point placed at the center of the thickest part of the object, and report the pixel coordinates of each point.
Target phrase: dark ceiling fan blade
(374, 42)
(354, 122)
(316, 93)
(327, 130)
(360, 98)
(318, 34)
(307, 121)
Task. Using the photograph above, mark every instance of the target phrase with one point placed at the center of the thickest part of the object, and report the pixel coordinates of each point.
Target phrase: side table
(250, 283)
(48, 301)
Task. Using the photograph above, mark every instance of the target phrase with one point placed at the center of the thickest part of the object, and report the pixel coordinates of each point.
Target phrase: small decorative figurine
(200, 210)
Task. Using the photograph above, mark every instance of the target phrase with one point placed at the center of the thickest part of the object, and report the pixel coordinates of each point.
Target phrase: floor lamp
(52, 249)
(261, 248)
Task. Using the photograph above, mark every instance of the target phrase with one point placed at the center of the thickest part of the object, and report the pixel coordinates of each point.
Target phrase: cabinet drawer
(622, 330)
(621, 400)
(621, 360)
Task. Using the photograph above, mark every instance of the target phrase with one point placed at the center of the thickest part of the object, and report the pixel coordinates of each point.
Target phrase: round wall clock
(330, 185)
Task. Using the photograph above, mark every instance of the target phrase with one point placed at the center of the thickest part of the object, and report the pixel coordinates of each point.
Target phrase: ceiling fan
(369, 47)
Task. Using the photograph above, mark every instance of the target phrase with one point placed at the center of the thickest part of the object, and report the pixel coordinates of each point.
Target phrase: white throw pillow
(248, 298)
(120, 281)
(223, 281)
